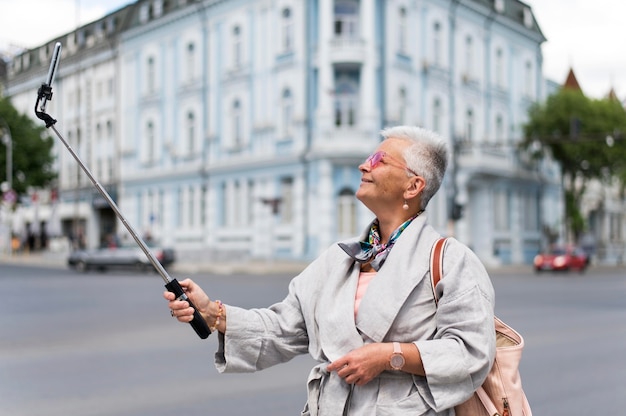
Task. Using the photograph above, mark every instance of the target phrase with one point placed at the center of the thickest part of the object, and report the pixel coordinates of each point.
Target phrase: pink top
(364, 280)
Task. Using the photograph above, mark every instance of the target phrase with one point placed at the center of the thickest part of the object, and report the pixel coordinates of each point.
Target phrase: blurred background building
(233, 130)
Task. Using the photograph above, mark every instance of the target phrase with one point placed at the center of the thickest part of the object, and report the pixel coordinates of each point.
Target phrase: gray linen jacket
(456, 339)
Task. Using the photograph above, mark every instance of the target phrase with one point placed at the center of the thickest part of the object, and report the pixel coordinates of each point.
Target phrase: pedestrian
(364, 309)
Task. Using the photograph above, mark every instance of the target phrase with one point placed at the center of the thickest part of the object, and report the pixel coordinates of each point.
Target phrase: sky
(586, 35)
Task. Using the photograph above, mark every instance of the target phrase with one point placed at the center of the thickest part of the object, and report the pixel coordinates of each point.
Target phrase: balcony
(341, 142)
(347, 50)
(489, 159)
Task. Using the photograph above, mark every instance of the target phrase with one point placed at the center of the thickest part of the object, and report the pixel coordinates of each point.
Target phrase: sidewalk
(59, 260)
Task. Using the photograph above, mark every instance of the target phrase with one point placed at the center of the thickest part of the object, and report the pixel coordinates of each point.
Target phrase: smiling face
(386, 186)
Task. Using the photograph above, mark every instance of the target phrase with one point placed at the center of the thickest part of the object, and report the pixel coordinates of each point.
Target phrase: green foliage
(575, 129)
(32, 150)
(587, 138)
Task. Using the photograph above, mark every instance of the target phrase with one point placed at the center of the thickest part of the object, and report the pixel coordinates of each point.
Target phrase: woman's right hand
(181, 309)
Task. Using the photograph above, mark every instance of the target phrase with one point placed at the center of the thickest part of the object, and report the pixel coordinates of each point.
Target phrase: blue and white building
(239, 125)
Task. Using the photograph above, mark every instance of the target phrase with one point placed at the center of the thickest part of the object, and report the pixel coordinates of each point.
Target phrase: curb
(258, 267)
(59, 260)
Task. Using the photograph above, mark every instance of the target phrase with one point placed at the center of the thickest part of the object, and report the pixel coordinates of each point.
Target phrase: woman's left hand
(362, 365)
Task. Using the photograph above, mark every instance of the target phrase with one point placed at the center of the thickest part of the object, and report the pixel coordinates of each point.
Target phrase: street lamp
(8, 142)
(8, 185)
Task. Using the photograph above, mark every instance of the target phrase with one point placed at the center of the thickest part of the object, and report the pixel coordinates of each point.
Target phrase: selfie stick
(44, 94)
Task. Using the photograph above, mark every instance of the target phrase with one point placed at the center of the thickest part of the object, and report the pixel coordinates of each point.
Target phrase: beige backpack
(501, 394)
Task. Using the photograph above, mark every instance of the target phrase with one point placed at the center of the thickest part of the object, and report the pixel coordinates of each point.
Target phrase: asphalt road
(104, 344)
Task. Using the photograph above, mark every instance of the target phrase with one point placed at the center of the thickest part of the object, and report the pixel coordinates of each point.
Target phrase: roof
(571, 83)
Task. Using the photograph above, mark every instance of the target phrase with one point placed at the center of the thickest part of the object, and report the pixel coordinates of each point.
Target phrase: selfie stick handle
(45, 93)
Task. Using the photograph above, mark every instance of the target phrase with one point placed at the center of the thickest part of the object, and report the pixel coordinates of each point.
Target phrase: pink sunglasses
(376, 158)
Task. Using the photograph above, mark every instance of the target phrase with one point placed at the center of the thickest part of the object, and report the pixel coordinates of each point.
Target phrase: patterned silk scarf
(372, 251)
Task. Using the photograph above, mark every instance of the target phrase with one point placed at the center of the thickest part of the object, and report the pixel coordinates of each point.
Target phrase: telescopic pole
(44, 94)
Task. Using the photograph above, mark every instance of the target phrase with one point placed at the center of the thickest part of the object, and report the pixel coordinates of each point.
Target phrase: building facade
(85, 103)
(234, 129)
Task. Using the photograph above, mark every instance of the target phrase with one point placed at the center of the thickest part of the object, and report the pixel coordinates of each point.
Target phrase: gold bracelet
(220, 314)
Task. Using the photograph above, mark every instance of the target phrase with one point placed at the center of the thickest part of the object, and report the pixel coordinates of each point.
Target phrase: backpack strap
(436, 263)
(436, 270)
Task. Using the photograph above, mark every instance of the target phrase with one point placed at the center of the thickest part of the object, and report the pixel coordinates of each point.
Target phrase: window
(100, 168)
(286, 204)
(402, 105)
(230, 203)
(109, 168)
(110, 25)
(191, 61)
(469, 125)
(236, 47)
(160, 208)
(499, 129)
(287, 113)
(469, 57)
(99, 90)
(346, 220)
(237, 139)
(528, 79)
(139, 208)
(203, 206)
(69, 177)
(250, 203)
(437, 113)
(157, 8)
(150, 76)
(82, 150)
(151, 206)
(239, 206)
(144, 13)
(150, 144)
(191, 207)
(346, 103)
(530, 211)
(99, 144)
(528, 18)
(346, 19)
(501, 210)
(98, 134)
(615, 227)
(499, 68)
(402, 30)
(191, 133)
(109, 129)
(180, 199)
(437, 44)
(224, 204)
(287, 21)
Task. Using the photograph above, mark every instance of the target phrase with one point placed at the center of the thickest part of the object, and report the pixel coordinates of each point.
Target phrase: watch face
(397, 361)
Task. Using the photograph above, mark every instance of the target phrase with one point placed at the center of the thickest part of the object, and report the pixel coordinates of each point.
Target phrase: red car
(562, 258)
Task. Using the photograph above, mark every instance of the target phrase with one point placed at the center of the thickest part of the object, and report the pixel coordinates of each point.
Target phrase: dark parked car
(125, 256)
(562, 258)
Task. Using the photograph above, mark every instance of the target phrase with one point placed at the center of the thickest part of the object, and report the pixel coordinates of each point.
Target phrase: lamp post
(8, 142)
(7, 187)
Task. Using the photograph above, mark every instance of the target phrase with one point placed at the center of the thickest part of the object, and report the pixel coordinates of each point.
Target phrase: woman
(365, 310)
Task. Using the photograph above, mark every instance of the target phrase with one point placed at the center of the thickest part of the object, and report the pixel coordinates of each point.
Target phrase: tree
(586, 137)
(32, 160)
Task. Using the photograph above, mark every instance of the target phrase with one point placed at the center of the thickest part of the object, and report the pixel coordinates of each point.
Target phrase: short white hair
(427, 156)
